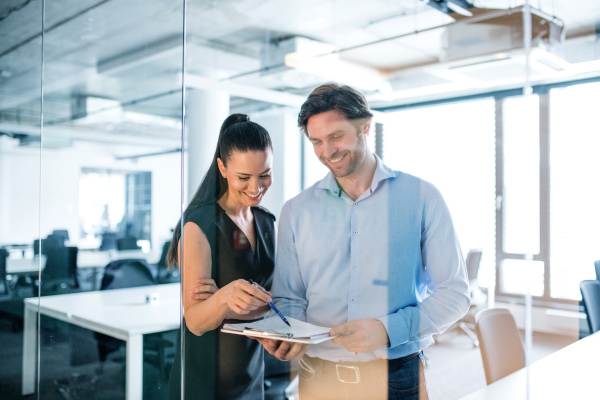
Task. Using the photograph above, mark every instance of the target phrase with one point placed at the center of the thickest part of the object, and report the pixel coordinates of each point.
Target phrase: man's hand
(284, 351)
(206, 288)
(360, 336)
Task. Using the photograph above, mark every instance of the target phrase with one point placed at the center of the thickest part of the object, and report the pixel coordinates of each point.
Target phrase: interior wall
(60, 191)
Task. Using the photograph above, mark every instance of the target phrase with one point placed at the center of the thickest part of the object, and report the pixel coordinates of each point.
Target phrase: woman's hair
(237, 133)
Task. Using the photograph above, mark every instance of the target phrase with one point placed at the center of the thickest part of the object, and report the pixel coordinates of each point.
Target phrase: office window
(574, 189)
(521, 193)
(115, 201)
(452, 146)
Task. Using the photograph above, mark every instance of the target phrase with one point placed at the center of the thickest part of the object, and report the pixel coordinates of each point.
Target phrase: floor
(454, 367)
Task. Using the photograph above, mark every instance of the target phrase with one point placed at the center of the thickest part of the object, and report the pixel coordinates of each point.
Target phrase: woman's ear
(222, 168)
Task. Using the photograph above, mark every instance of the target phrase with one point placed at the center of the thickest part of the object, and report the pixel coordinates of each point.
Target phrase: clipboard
(275, 328)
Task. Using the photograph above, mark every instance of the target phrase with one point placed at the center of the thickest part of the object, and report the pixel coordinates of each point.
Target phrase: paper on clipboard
(275, 328)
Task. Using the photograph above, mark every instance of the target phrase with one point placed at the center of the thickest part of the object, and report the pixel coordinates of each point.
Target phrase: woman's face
(249, 175)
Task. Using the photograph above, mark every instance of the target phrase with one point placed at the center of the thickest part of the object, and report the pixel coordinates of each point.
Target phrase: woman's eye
(265, 176)
(244, 178)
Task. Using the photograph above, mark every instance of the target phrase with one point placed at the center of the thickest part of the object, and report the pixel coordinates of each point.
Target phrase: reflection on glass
(521, 175)
(454, 151)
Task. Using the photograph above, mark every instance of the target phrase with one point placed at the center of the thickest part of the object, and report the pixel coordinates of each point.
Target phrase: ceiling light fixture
(321, 60)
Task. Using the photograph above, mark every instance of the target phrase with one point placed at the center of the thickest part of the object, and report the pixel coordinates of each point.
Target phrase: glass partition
(491, 101)
(110, 196)
(20, 117)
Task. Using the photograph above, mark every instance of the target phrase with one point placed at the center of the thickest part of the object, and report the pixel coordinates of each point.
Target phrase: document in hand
(275, 328)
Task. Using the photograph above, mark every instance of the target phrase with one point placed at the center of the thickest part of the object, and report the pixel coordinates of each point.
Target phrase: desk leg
(29, 352)
(134, 365)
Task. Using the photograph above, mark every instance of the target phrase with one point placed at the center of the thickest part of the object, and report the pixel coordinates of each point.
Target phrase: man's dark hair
(332, 96)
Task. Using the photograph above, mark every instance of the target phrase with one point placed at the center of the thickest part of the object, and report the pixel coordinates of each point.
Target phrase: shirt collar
(382, 172)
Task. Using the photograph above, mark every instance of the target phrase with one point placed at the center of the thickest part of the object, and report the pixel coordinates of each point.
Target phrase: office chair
(127, 273)
(50, 242)
(590, 294)
(60, 272)
(61, 233)
(597, 266)
(127, 243)
(164, 274)
(5, 293)
(500, 344)
(109, 241)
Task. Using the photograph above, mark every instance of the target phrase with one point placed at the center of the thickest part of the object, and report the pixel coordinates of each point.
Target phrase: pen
(279, 314)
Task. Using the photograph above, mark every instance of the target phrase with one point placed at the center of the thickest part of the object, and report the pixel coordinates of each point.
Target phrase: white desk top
(85, 259)
(119, 313)
(569, 373)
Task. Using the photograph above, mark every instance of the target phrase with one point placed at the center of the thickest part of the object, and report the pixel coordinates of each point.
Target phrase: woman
(227, 240)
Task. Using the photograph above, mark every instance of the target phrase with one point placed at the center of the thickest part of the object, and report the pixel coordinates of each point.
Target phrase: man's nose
(328, 150)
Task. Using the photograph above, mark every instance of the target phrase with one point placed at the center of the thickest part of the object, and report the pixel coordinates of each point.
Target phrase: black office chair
(597, 266)
(109, 241)
(5, 293)
(500, 344)
(50, 242)
(60, 272)
(127, 273)
(61, 233)
(127, 243)
(164, 274)
(590, 294)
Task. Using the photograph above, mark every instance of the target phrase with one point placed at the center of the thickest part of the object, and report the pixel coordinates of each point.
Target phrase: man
(371, 252)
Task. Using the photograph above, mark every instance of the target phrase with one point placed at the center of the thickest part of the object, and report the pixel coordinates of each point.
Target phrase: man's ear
(366, 128)
(221, 166)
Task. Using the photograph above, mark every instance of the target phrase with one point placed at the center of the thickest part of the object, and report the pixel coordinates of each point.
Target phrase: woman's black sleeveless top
(220, 365)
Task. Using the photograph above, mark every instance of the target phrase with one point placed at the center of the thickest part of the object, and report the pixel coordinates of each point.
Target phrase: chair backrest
(597, 266)
(61, 264)
(126, 273)
(3, 283)
(61, 233)
(50, 242)
(500, 344)
(590, 294)
(109, 241)
(472, 261)
(127, 243)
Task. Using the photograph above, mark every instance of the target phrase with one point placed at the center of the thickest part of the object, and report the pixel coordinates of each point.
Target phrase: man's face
(338, 142)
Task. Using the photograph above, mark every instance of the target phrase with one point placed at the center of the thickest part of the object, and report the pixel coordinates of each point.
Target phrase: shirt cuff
(396, 328)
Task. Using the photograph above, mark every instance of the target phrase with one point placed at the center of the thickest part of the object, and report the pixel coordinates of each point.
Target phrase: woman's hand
(206, 288)
(242, 297)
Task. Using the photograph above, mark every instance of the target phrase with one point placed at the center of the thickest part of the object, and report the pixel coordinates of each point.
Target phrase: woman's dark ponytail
(237, 133)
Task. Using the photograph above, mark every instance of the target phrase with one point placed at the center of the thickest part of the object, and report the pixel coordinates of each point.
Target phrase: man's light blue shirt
(392, 255)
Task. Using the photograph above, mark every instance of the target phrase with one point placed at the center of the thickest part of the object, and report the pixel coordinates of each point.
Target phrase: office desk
(569, 373)
(120, 313)
(85, 259)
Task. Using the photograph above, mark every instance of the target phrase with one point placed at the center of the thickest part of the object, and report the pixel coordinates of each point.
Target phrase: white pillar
(205, 112)
(286, 137)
